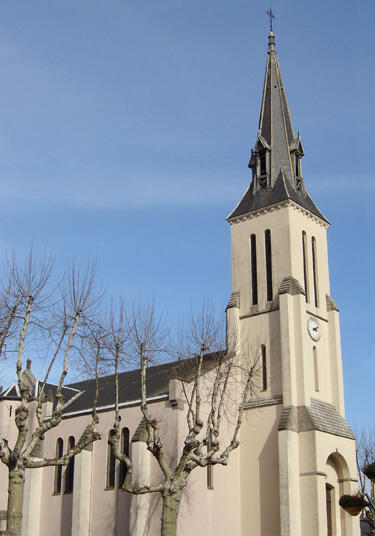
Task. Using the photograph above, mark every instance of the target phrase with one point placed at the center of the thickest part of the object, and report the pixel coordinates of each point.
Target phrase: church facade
(297, 452)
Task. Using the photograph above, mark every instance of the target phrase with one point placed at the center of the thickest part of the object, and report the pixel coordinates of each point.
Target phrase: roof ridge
(153, 367)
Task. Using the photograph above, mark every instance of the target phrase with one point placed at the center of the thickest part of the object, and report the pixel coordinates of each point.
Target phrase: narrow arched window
(267, 241)
(58, 468)
(264, 367)
(111, 464)
(254, 274)
(305, 272)
(316, 369)
(315, 271)
(69, 473)
(125, 450)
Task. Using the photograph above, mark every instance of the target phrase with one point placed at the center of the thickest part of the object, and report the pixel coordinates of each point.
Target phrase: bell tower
(297, 447)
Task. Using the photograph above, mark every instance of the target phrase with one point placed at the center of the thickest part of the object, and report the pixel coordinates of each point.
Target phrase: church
(297, 452)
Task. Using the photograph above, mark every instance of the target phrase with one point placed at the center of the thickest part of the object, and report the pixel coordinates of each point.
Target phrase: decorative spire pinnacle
(271, 42)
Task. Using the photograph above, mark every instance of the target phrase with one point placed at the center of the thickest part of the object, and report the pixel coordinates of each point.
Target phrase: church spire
(276, 157)
(276, 148)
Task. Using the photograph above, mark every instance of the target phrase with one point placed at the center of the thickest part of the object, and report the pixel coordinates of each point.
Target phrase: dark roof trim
(234, 301)
(320, 416)
(331, 305)
(111, 407)
(141, 434)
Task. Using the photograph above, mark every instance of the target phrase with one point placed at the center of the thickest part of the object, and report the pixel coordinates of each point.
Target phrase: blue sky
(125, 133)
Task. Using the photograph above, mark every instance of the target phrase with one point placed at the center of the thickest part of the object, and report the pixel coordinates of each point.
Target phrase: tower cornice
(277, 206)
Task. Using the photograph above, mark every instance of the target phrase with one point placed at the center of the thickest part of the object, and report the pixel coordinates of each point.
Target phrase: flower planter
(369, 471)
(353, 504)
(353, 510)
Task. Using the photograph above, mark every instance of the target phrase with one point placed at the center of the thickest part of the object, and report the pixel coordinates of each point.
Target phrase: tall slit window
(264, 367)
(315, 271)
(254, 274)
(316, 369)
(125, 450)
(262, 158)
(111, 464)
(297, 166)
(69, 473)
(305, 272)
(267, 238)
(58, 468)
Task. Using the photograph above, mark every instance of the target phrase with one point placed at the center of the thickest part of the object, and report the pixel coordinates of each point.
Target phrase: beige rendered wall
(260, 500)
(291, 337)
(8, 430)
(216, 511)
(297, 488)
(110, 509)
(326, 459)
(263, 329)
(286, 223)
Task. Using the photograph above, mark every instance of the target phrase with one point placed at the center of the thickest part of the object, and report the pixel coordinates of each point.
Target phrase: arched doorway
(336, 483)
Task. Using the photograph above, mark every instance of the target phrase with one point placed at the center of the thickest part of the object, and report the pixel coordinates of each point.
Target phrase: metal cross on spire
(271, 16)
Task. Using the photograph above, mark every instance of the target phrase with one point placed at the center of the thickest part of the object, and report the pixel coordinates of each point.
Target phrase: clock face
(313, 328)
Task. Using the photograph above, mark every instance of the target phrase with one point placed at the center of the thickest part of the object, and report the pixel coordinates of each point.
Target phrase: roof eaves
(109, 407)
(238, 204)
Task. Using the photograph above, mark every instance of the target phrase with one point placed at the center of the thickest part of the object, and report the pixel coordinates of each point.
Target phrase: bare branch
(87, 438)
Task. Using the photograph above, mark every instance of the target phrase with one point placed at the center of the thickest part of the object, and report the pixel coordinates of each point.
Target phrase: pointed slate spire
(275, 124)
(276, 157)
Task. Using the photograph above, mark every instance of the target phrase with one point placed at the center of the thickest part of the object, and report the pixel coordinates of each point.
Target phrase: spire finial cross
(271, 16)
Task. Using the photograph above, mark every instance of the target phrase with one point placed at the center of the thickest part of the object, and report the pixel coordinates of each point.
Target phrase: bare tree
(33, 310)
(365, 456)
(212, 381)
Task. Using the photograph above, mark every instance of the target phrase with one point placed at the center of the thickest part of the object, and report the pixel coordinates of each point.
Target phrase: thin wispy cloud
(103, 192)
(340, 185)
(134, 191)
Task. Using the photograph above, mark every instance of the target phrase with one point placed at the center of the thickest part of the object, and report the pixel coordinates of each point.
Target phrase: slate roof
(141, 433)
(290, 285)
(12, 392)
(320, 416)
(282, 191)
(157, 382)
(331, 305)
(275, 124)
(234, 301)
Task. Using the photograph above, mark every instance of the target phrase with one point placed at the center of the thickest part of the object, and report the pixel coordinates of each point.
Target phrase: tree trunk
(16, 484)
(171, 506)
(372, 519)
